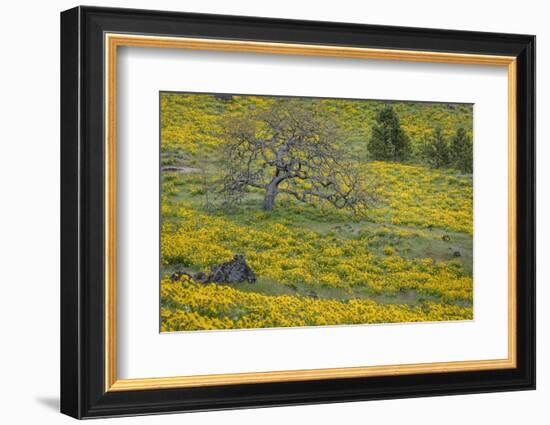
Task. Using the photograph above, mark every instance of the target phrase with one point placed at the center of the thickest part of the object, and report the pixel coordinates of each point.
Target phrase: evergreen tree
(462, 151)
(388, 141)
(436, 150)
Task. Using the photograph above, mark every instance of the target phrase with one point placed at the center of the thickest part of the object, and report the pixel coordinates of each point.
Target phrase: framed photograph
(261, 212)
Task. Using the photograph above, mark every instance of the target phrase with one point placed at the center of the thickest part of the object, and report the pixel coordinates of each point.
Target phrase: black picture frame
(82, 212)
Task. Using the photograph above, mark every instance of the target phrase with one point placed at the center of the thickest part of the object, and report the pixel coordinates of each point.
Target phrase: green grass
(411, 242)
(405, 241)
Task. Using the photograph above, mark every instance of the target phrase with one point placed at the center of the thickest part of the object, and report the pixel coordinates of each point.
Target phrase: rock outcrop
(234, 271)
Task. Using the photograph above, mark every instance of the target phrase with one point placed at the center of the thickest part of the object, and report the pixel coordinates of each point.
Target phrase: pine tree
(462, 151)
(436, 150)
(388, 141)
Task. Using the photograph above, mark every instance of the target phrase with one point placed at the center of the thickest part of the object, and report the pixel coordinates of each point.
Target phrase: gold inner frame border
(113, 40)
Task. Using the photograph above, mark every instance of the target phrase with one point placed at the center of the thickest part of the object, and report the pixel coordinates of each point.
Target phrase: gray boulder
(234, 271)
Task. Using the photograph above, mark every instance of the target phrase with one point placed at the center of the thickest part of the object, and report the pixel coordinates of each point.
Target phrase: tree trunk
(270, 194)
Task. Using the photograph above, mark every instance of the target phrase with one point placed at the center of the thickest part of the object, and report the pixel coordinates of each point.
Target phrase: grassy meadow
(405, 257)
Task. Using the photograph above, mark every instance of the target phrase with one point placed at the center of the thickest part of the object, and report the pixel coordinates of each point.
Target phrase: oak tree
(291, 148)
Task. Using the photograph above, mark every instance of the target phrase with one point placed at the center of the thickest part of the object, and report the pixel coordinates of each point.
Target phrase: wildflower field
(392, 244)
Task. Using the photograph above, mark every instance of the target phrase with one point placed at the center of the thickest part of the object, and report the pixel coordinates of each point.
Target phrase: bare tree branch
(290, 148)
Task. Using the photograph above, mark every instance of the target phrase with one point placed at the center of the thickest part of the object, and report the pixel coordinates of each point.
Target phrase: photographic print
(302, 211)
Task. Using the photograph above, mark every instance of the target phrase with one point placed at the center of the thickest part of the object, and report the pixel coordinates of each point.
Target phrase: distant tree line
(389, 142)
